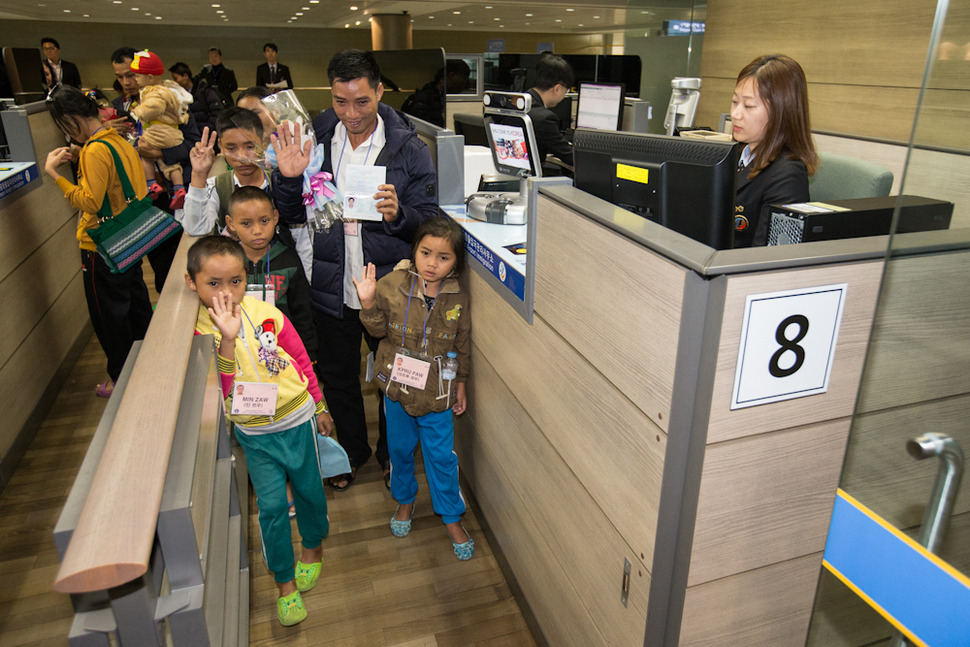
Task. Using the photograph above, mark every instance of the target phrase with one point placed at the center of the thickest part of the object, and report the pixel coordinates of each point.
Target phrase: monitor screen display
(600, 106)
(511, 145)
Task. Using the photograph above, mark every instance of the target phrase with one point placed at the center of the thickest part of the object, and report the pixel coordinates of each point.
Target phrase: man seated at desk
(553, 78)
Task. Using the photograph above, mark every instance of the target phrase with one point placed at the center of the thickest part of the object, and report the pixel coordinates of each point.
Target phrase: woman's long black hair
(67, 102)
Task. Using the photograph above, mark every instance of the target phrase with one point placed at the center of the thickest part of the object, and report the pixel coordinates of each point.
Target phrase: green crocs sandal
(290, 609)
(307, 575)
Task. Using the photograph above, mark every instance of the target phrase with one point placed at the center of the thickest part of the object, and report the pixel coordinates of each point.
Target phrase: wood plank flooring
(376, 589)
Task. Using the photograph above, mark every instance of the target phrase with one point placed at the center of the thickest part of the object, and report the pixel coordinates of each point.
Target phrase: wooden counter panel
(616, 452)
(32, 219)
(766, 499)
(627, 321)
(767, 607)
(884, 477)
(27, 293)
(839, 401)
(28, 369)
(555, 535)
(921, 341)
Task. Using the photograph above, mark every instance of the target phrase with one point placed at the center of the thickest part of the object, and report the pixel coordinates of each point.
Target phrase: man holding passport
(364, 140)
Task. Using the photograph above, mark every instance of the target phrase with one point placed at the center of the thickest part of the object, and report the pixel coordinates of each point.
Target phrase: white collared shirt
(343, 156)
(746, 156)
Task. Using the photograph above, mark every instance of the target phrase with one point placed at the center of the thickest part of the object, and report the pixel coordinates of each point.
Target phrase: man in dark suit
(273, 75)
(66, 71)
(218, 76)
(553, 78)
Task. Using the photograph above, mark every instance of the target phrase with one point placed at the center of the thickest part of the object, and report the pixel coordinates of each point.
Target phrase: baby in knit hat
(162, 106)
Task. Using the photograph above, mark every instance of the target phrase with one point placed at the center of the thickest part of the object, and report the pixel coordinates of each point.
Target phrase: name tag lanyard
(249, 352)
(265, 277)
(442, 392)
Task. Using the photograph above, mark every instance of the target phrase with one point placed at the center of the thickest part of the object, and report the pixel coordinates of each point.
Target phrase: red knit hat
(146, 62)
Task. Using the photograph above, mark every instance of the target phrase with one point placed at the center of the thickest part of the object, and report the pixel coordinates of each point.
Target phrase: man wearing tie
(273, 75)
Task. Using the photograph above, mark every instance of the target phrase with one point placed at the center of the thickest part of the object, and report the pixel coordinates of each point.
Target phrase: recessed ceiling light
(430, 17)
(299, 13)
(87, 15)
(496, 18)
(215, 6)
(597, 17)
(570, 9)
(558, 20)
(352, 8)
(148, 13)
(457, 13)
(357, 23)
(135, 9)
(314, 1)
(115, 1)
(67, 11)
(305, 8)
(158, 17)
(528, 15)
(347, 26)
(488, 6)
(471, 22)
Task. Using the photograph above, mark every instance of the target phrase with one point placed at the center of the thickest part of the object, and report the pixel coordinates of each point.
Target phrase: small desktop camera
(509, 101)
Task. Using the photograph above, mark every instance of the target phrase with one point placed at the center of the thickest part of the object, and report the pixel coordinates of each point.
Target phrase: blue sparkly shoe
(401, 528)
(464, 550)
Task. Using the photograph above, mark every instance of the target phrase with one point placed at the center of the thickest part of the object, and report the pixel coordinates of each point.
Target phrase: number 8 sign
(787, 344)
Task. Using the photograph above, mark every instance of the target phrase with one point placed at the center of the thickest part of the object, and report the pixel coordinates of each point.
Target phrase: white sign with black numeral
(787, 344)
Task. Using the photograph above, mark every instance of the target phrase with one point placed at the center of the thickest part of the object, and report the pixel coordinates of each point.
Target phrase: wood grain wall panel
(767, 607)
(835, 108)
(577, 409)
(921, 343)
(26, 373)
(28, 291)
(639, 353)
(583, 563)
(880, 473)
(854, 43)
(839, 400)
(864, 63)
(766, 499)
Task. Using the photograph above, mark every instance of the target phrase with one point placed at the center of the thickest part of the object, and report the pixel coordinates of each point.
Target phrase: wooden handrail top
(115, 532)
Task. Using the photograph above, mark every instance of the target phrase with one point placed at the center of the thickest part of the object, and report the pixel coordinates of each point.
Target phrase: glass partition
(667, 36)
(915, 387)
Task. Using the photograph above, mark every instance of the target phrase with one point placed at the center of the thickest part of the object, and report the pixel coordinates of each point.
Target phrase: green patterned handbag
(124, 239)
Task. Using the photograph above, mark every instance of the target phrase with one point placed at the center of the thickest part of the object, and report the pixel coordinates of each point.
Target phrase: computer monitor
(513, 146)
(600, 106)
(686, 185)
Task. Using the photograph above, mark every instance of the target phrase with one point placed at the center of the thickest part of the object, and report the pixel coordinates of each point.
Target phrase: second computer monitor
(600, 106)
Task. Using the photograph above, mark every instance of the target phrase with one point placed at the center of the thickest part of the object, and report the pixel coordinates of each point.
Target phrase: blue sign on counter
(14, 175)
(509, 276)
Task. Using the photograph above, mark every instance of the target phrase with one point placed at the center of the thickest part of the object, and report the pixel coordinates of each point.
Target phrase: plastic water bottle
(450, 370)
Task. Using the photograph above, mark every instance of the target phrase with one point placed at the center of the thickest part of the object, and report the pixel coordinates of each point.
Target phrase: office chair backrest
(840, 178)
